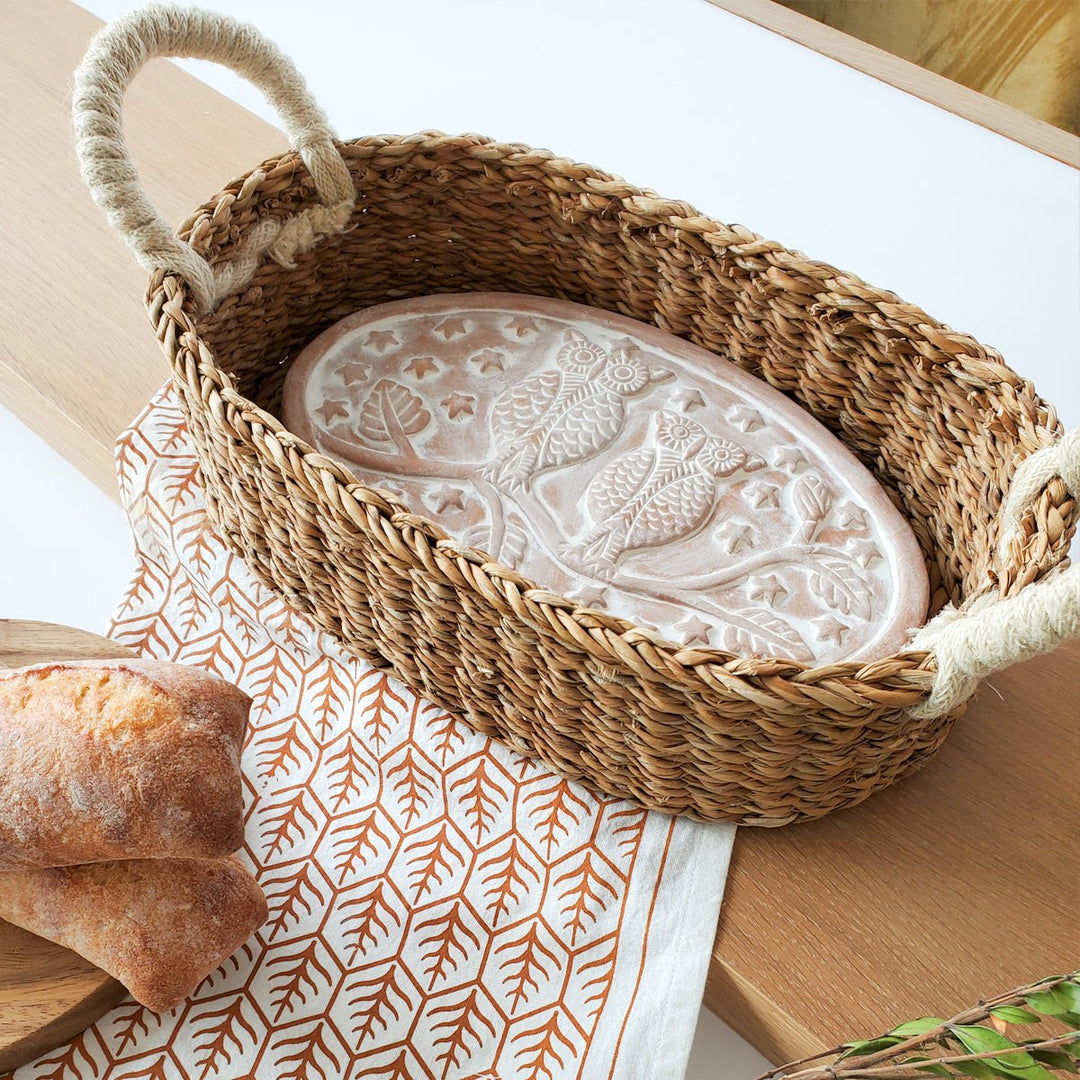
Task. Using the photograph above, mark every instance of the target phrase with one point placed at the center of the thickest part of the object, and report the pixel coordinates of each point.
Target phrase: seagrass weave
(939, 418)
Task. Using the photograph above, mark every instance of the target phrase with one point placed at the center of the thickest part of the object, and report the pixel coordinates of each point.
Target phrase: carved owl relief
(564, 416)
(659, 493)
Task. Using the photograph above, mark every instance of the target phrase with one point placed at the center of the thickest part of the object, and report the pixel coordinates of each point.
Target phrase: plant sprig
(965, 1046)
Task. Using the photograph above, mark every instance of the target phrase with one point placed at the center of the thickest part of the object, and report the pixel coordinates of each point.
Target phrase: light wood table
(959, 882)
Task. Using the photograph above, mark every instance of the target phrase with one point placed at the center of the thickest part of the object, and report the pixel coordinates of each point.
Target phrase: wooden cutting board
(47, 994)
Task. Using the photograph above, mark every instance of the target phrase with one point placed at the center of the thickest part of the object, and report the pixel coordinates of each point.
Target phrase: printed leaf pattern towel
(440, 908)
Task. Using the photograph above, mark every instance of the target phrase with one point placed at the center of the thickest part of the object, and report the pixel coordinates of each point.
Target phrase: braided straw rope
(275, 258)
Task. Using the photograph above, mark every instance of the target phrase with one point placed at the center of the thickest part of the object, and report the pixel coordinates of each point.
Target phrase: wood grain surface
(904, 75)
(47, 994)
(956, 883)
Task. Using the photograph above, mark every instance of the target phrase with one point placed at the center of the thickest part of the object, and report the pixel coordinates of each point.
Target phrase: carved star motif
(453, 326)
(332, 409)
(381, 340)
(745, 418)
(458, 404)
(521, 326)
(590, 596)
(353, 371)
(763, 496)
(829, 628)
(736, 535)
(766, 589)
(687, 400)
(790, 457)
(865, 553)
(421, 366)
(446, 498)
(851, 516)
(489, 360)
(693, 631)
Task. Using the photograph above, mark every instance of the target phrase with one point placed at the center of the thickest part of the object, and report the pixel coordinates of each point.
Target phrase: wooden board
(47, 994)
(956, 883)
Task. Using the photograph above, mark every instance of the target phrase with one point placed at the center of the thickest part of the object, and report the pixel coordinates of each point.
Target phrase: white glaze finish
(620, 465)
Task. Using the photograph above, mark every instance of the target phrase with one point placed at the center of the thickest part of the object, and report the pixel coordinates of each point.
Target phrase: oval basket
(965, 448)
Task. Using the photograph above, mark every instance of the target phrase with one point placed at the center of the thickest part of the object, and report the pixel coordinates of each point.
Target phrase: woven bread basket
(966, 449)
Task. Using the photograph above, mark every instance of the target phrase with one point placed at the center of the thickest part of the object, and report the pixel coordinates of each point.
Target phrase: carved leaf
(753, 632)
(834, 580)
(812, 499)
(514, 543)
(391, 406)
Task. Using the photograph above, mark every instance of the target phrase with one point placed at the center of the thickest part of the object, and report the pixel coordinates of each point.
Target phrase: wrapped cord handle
(114, 57)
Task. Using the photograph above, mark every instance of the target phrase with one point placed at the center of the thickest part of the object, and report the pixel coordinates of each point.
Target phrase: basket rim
(649, 655)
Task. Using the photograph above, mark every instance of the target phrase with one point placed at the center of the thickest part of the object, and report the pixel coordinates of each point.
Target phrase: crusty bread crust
(119, 759)
(159, 926)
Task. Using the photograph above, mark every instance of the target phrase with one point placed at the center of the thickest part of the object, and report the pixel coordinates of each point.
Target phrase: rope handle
(994, 631)
(114, 57)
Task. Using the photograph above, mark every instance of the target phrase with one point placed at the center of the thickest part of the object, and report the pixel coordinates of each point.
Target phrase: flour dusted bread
(118, 759)
(159, 926)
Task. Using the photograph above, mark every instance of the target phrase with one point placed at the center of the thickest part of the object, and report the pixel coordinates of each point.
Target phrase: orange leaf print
(175, 429)
(181, 484)
(144, 636)
(398, 1069)
(130, 1027)
(550, 1048)
(328, 695)
(73, 1062)
(584, 896)
(198, 543)
(381, 706)
(291, 897)
(129, 462)
(554, 809)
(447, 733)
(447, 944)
(271, 682)
(506, 885)
(290, 820)
(348, 771)
(523, 966)
(216, 1044)
(432, 863)
(355, 843)
(153, 1071)
(190, 606)
(372, 914)
(461, 1027)
(482, 798)
(629, 833)
(149, 581)
(215, 657)
(309, 1058)
(302, 974)
(281, 751)
(601, 971)
(242, 618)
(373, 1002)
(413, 787)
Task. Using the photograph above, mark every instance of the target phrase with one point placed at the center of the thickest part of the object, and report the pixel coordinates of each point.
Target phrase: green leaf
(1068, 996)
(1056, 1059)
(1012, 1062)
(1013, 1015)
(917, 1027)
(978, 1069)
(1046, 1003)
(869, 1046)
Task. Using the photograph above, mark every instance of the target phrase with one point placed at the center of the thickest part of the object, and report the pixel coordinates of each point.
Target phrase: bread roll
(159, 926)
(118, 759)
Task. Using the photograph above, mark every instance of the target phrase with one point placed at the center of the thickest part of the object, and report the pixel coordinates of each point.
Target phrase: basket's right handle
(995, 631)
(114, 57)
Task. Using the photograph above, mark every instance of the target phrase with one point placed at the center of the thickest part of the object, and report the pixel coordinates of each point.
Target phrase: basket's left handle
(996, 631)
(114, 57)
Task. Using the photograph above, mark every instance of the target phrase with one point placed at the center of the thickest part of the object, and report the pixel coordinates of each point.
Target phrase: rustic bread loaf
(159, 926)
(118, 759)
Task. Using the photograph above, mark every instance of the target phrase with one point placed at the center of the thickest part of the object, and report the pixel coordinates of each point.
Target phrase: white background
(675, 95)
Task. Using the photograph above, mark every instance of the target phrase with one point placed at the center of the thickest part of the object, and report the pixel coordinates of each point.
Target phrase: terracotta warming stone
(619, 465)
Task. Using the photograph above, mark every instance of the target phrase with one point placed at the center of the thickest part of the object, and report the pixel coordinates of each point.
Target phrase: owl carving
(661, 493)
(564, 416)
